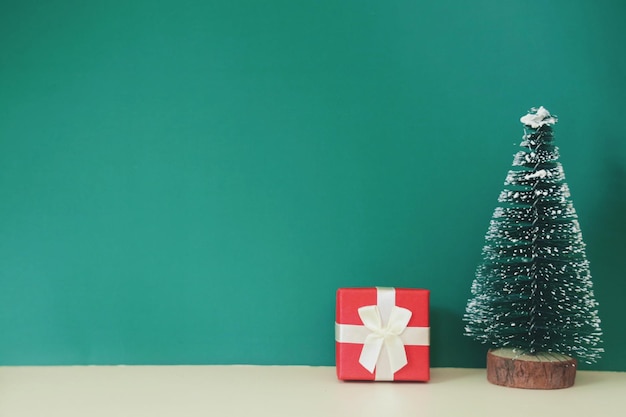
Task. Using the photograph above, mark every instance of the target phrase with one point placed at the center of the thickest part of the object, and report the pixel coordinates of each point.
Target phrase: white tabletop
(294, 391)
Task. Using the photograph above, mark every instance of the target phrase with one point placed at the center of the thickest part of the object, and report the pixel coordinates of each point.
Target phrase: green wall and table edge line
(190, 182)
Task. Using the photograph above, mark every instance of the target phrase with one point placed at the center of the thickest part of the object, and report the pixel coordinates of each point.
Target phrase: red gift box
(382, 334)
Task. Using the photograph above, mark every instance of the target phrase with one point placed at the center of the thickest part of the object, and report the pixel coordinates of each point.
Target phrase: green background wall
(189, 182)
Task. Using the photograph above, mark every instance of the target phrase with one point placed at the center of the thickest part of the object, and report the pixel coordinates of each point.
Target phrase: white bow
(388, 336)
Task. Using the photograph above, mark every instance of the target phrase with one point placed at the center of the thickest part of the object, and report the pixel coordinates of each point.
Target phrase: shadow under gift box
(388, 341)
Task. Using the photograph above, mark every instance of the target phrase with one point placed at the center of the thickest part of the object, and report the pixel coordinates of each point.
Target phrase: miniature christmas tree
(533, 291)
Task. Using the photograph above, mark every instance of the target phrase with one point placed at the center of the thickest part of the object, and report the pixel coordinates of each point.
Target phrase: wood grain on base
(545, 370)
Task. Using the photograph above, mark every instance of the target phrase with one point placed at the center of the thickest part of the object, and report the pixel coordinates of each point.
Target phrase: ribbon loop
(387, 335)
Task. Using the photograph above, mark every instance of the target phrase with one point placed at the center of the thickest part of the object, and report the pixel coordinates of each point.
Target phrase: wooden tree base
(545, 370)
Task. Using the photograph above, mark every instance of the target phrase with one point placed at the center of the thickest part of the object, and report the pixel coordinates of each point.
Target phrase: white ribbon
(384, 335)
